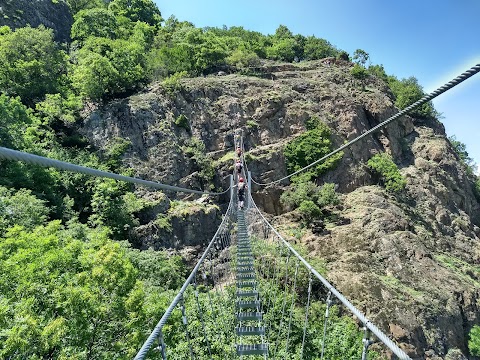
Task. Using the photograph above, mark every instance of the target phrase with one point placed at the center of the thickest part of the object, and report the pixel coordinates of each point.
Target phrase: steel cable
(297, 263)
(9, 154)
(373, 328)
(307, 307)
(459, 79)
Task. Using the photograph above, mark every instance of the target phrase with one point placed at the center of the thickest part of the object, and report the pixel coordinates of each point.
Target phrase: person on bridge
(241, 193)
(239, 167)
(239, 151)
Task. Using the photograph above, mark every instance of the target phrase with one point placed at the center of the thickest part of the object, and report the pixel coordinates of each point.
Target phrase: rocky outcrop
(411, 261)
(52, 14)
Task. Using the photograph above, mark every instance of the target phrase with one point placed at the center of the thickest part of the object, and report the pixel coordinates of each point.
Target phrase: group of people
(241, 186)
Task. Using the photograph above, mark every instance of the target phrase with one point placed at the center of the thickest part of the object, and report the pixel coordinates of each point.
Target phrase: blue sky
(433, 40)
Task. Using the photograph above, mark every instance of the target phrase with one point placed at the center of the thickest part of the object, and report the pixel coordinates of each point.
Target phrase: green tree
(18, 126)
(408, 91)
(283, 49)
(461, 150)
(137, 10)
(316, 48)
(107, 67)
(94, 22)
(78, 5)
(360, 57)
(69, 298)
(31, 65)
(378, 71)
(21, 208)
(474, 341)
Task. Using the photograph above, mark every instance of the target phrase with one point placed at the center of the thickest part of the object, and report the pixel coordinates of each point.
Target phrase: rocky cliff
(410, 261)
(52, 14)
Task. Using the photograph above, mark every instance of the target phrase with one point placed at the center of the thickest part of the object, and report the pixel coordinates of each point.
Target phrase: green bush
(243, 58)
(383, 165)
(477, 188)
(309, 211)
(252, 124)
(195, 150)
(299, 192)
(309, 147)
(358, 72)
(172, 83)
(310, 199)
(182, 121)
(326, 195)
(474, 341)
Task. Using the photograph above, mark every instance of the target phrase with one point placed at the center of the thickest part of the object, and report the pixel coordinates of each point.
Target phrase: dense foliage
(382, 164)
(461, 150)
(310, 146)
(310, 198)
(474, 341)
(77, 294)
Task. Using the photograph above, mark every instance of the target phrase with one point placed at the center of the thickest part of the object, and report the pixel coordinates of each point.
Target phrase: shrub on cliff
(474, 341)
(310, 146)
(383, 165)
(358, 71)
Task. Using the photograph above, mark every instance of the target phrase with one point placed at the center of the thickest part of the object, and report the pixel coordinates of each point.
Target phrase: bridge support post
(249, 188)
(366, 343)
(231, 187)
(162, 345)
(325, 324)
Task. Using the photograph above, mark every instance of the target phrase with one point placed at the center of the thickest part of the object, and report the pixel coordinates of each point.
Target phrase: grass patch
(396, 285)
(467, 272)
(184, 208)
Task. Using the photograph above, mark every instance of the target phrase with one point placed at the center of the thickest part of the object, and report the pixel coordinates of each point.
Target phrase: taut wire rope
(459, 79)
(9, 154)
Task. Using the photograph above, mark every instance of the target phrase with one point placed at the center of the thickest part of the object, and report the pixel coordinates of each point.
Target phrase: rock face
(52, 14)
(411, 261)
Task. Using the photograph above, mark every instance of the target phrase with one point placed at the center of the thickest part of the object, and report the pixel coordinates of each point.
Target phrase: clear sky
(433, 40)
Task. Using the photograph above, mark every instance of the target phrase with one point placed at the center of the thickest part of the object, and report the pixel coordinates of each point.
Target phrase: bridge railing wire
(15, 155)
(258, 221)
(428, 97)
(215, 255)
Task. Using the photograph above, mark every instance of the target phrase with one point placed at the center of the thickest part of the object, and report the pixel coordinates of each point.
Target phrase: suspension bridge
(251, 293)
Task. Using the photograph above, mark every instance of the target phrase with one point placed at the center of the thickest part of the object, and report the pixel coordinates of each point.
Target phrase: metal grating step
(250, 330)
(245, 264)
(244, 246)
(245, 284)
(246, 316)
(245, 276)
(252, 349)
(255, 304)
(246, 270)
(247, 293)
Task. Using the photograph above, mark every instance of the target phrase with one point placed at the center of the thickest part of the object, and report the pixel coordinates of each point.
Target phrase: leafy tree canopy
(96, 22)
(137, 10)
(31, 65)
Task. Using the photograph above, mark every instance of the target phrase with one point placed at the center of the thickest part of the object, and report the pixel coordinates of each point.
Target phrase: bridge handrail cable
(10, 154)
(158, 328)
(378, 333)
(459, 79)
